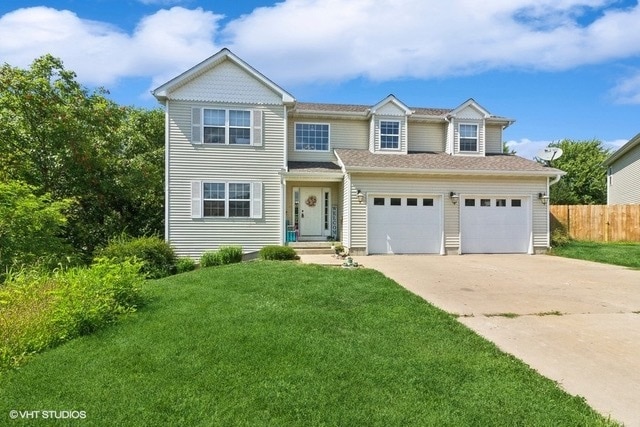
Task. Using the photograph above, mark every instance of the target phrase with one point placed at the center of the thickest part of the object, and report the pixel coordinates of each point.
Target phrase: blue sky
(561, 68)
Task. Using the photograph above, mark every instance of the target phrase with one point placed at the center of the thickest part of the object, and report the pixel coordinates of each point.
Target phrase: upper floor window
(468, 134)
(312, 136)
(389, 134)
(226, 126)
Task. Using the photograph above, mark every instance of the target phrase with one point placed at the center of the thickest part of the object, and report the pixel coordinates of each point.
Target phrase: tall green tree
(585, 181)
(69, 142)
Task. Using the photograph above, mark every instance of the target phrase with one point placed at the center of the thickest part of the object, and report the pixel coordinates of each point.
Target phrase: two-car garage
(415, 224)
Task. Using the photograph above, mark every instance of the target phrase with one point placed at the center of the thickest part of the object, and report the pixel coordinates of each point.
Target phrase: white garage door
(494, 224)
(404, 225)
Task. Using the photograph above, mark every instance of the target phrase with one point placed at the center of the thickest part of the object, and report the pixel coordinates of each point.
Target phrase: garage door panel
(495, 228)
(404, 229)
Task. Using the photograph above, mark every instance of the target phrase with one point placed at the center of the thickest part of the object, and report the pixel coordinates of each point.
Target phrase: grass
(279, 343)
(626, 254)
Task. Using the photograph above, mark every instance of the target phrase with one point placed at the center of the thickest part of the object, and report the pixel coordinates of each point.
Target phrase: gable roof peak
(161, 93)
(473, 104)
(392, 99)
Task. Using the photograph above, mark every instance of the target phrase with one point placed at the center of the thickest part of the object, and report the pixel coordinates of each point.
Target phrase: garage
(404, 224)
(495, 224)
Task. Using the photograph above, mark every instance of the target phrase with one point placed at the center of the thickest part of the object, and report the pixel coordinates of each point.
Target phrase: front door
(310, 212)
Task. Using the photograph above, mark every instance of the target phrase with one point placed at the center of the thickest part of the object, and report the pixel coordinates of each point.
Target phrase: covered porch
(312, 201)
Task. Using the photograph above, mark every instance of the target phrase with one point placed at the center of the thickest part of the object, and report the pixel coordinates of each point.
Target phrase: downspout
(283, 181)
(166, 170)
(549, 184)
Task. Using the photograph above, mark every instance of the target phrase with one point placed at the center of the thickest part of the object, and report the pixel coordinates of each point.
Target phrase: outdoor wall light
(454, 197)
(360, 196)
(543, 198)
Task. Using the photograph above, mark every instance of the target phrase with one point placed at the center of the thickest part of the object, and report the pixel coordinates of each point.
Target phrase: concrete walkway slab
(576, 322)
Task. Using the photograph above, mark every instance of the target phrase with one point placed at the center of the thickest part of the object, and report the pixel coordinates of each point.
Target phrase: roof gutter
(476, 172)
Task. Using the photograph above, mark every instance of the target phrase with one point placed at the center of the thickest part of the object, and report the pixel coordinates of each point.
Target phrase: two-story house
(247, 164)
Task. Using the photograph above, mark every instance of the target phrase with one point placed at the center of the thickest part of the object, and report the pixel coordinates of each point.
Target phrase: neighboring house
(247, 164)
(623, 174)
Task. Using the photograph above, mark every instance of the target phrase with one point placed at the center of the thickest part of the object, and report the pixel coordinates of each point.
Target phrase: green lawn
(626, 254)
(280, 343)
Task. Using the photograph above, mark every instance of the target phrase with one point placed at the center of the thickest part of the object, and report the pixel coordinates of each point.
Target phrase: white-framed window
(226, 199)
(468, 137)
(312, 137)
(389, 134)
(226, 126)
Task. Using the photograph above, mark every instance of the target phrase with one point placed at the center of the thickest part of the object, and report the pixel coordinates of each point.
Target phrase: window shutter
(257, 127)
(196, 199)
(256, 200)
(196, 125)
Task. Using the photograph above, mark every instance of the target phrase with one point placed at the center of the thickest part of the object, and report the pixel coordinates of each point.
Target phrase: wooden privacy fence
(599, 223)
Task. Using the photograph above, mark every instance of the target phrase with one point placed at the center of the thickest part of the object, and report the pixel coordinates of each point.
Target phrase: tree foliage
(585, 181)
(69, 142)
(30, 227)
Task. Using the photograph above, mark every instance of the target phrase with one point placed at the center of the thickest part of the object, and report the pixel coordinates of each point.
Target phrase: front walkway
(573, 321)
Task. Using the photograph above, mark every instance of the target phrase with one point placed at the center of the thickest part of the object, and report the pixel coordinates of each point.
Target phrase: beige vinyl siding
(426, 136)
(476, 185)
(493, 136)
(342, 134)
(192, 162)
(624, 183)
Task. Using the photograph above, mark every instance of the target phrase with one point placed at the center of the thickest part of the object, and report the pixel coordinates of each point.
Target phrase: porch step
(313, 248)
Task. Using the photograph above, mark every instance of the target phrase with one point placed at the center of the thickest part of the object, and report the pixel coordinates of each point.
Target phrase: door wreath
(311, 201)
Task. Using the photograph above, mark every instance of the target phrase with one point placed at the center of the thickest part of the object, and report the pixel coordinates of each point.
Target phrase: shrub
(157, 256)
(278, 253)
(224, 255)
(42, 309)
(559, 237)
(185, 264)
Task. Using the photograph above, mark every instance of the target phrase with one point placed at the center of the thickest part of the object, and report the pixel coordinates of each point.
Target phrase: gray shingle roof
(499, 163)
(353, 108)
(313, 167)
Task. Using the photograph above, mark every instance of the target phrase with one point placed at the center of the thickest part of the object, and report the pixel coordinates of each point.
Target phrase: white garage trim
(494, 223)
(410, 225)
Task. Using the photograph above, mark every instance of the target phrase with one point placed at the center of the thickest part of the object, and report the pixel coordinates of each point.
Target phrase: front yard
(280, 343)
(626, 254)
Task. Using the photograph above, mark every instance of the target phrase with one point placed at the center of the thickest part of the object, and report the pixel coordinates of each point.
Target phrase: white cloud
(627, 91)
(162, 45)
(302, 41)
(527, 148)
(310, 40)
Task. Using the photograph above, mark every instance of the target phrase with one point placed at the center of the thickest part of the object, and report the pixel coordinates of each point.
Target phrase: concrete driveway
(573, 321)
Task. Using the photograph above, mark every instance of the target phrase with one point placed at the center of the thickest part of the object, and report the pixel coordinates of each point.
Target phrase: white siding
(189, 162)
(227, 82)
(426, 136)
(348, 192)
(342, 134)
(390, 109)
(526, 187)
(493, 135)
(624, 181)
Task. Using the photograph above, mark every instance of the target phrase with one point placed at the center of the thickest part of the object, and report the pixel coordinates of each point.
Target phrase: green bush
(157, 256)
(224, 255)
(42, 309)
(559, 237)
(185, 264)
(278, 253)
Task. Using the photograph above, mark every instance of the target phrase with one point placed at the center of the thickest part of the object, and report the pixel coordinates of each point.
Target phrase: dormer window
(468, 134)
(389, 134)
